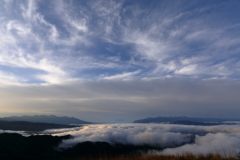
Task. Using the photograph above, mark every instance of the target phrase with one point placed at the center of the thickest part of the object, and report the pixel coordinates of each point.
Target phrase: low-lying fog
(195, 139)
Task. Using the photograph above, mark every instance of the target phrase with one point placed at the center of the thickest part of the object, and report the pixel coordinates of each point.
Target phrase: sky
(110, 61)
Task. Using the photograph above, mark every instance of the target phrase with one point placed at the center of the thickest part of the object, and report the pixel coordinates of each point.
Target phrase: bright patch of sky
(60, 42)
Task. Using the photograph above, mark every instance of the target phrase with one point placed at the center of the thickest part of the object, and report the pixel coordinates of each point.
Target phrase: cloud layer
(176, 139)
(222, 143)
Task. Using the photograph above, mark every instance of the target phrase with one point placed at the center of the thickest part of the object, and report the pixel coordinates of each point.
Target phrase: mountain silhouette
(47, 119)
(30, 126)
(161, 119)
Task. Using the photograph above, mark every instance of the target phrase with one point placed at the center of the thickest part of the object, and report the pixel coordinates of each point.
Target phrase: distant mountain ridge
(185, 122)
(47, 119)
(161, 119)
(30, 126)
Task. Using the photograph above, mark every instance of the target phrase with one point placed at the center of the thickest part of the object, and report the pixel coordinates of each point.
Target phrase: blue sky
(56, 56)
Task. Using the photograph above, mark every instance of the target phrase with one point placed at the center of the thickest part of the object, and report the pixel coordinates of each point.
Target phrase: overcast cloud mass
(108, 60)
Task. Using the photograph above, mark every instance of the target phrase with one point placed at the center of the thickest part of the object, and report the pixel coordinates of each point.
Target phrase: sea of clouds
(176, 139)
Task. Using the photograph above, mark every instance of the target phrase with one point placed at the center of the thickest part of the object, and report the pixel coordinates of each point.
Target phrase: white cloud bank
(223, 143)
(194, 139)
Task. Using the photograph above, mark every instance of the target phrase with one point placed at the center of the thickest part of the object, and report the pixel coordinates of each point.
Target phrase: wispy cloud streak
(67, 40)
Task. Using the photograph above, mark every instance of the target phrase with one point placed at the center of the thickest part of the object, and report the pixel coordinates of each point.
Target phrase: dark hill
(44, 147)
(16, 147)
(29, 126)
(46, 119)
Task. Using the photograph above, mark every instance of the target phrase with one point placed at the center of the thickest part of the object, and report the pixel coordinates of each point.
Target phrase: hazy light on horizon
(110, 60)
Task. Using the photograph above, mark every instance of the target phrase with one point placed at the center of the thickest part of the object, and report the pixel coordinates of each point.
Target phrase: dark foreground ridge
(29, 126)
(47, 119)
(14, 146)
